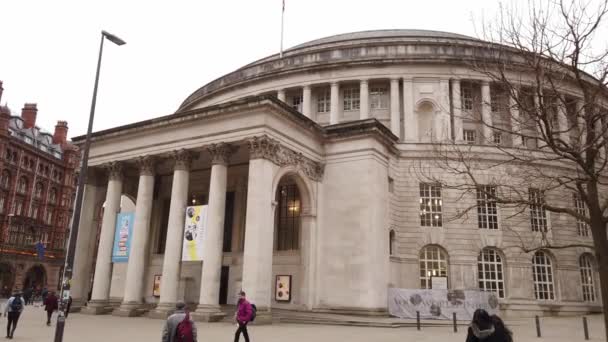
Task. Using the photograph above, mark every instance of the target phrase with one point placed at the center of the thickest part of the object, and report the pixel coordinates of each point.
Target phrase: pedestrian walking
(485, 329)
(244, 314)
(13, 309)
(179, 327)
(27, 295)
(68, 306)
(51, 305)
(501, 329)
(44, 293)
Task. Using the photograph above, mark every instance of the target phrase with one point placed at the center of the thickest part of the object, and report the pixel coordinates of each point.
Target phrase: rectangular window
(497, 137)
(378, 98)
(581, 209)
(351, 98)
(2, 200)
(324, 101)
(430, 205)
(497, 101)
(296, 102)
(538, 215)
(470, 136)
(487, 212)
(466, 90)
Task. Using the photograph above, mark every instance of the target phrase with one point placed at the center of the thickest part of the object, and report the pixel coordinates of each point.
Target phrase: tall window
(430, 205)
(351, 98)
(324, 101)
(581, 209)
(497, 138)
(489, 272)
(487, 212)
(391, 242)
(378, 98)
(466, 90)
(586, 268)
(296, 102)
(39, 189)
(538, 215)
(22, 186)
(5, 180)
(53, 196)
(433, 263)
(2, 202)
(470, 136)
(288, 217)
(18, 208)
(542, 271)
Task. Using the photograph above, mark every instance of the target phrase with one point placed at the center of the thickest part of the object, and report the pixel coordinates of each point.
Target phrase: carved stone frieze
(115, 170)
(221, 153)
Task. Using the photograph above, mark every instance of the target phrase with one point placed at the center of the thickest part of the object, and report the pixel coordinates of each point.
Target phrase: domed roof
(375, 34)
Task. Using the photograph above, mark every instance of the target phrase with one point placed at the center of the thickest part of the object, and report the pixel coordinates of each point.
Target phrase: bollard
(418, 320)
(585, 328)
(537, 326)
(59, 328)
(454, 319)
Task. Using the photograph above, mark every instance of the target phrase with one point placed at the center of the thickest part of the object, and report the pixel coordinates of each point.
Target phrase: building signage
(439, 283)
(282, 291)
(122, 237)
(439, 304)
(195, 231)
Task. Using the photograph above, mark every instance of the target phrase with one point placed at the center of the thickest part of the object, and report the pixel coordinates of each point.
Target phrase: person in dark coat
(51, 304)
(484, 328)
(27, 295)
(68, 306)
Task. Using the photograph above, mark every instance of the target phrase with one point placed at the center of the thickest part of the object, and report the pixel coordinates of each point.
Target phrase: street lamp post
(82, 177)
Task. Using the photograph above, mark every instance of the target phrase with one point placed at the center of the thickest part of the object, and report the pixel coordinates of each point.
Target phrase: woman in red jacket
(51, 304)
(243, 316)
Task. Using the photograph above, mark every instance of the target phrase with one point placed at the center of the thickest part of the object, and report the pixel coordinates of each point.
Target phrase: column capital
(485, 83)
(221, 153)
(262, 147)
(334, 83)
(115, 170)
(363, 80)
(183, 159)
(145, 164)
(395, 79)
(306, 86)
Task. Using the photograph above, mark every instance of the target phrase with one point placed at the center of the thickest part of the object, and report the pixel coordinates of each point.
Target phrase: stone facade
(340, 125)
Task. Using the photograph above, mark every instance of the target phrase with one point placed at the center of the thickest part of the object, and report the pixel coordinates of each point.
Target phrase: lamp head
(114, 39)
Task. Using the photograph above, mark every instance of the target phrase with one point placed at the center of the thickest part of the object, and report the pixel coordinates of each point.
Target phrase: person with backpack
(484, 328)
(179, 327)
(245, 313)
(51, 304)
(13, 309)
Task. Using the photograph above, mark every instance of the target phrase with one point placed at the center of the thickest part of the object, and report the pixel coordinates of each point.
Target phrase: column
(457, 111)
(281, 95)
(208, 307)
(306, 101)
(364, 100)
(175, 234)
(83, 257)
(410, 123)
(257, 263)
(334, 105)
(103, 266)
(395, 122)
(132, 301)
(562, 120)
(443, 127)
(518, 139)
(486, 112)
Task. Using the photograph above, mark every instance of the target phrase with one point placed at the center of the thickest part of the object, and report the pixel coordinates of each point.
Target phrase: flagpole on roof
(282, 15)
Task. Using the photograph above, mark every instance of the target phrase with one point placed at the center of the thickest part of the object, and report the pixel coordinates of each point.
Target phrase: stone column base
(162, 311)
(208, 313)
(97, 307)
(129, 310)
(263, 317)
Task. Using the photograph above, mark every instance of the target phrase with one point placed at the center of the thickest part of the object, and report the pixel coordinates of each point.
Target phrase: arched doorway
(7, 279)
(35, 277)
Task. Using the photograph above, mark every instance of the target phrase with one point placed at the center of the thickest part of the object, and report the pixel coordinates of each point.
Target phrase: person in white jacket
(13, 309)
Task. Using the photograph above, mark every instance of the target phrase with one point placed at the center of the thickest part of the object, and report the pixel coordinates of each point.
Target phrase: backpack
(184, 331)
(254, 311)
(16, 305)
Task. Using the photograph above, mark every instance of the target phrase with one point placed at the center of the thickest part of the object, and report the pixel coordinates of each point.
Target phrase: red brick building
(37, 187)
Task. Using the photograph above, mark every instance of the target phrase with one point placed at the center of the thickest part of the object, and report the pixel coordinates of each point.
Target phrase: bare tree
(544, 124)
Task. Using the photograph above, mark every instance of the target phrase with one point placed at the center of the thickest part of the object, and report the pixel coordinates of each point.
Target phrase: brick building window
(538, 214)
(53, 196)
(5, 180)
(430, 205)
(22, 185)
(581, 226)
(489, 272)
(2, 202)
(324, 101)
(587, 283)
(433, 263)
(351, 98)
(39, 190)
(487, 212)
(542, 272)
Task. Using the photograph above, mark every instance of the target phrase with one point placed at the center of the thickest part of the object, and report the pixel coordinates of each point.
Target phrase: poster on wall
(283, 288)
(194, 233)
(122, 237)
(156, 286)
(439, 283)
(439, 304)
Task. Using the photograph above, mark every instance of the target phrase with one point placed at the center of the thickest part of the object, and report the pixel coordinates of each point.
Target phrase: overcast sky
(48, 49)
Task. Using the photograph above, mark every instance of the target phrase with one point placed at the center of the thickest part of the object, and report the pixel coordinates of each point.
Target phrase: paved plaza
(109, 328)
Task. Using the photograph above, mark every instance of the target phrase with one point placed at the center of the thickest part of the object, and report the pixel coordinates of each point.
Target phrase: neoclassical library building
(292, 178)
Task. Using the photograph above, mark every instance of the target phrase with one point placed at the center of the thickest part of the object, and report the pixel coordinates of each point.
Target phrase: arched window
(22, 187)
(6, 179)
(587, 283)
(288, 217)
(490, 272)
(391, 241)
(433, 263)
(53, 196)
(39, 190)
(542, 271)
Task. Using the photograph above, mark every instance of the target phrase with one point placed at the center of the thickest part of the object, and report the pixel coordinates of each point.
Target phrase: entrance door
(224, 284)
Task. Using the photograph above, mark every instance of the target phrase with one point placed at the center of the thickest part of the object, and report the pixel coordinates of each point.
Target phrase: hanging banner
(122, 237)
(194, 233)
(440, 304)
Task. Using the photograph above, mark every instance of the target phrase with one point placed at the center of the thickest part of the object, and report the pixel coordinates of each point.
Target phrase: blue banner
(122, 237)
